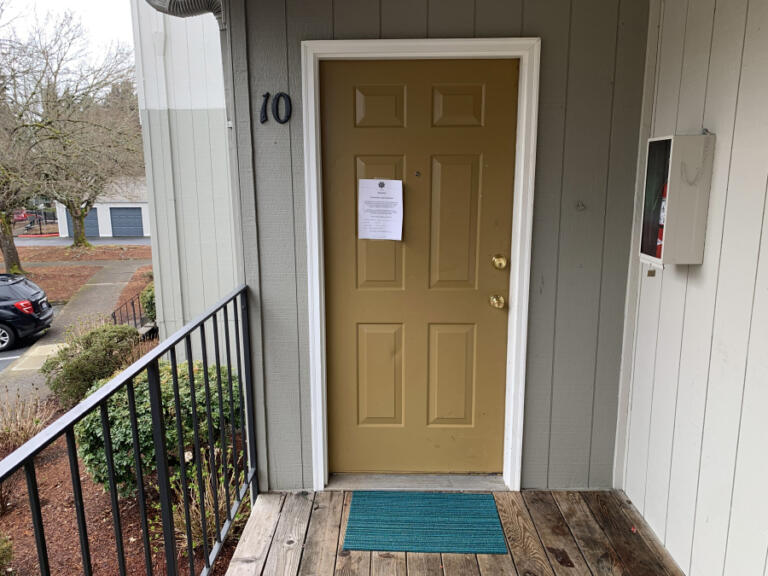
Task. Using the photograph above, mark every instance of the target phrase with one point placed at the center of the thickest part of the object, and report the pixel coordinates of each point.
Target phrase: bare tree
(17, 178)
(87, 132)
(69, 122)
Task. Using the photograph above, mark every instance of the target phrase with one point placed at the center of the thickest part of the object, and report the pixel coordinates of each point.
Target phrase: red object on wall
(660, 242)
(662, 219)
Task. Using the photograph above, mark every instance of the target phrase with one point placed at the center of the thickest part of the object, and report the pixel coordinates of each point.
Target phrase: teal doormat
(424, 522)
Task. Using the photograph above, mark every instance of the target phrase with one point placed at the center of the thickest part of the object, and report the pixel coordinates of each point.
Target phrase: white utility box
(677, 179)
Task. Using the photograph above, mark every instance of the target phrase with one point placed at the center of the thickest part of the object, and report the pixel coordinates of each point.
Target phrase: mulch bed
(59, 521)
(61, 282)
(136, 284)
(68, 253)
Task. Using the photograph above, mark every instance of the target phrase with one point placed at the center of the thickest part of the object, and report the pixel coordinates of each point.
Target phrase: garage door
(91, 224)
(126, 222)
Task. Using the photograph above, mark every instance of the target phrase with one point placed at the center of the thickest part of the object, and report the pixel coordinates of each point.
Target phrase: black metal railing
(227, 441)
(130, 312)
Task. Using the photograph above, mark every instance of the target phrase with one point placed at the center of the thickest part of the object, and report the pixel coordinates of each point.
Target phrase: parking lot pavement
(7, 358)
(98, 297)
(10, 356)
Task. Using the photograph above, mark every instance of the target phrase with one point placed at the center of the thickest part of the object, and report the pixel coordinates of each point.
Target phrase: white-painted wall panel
(191, 218)
(735, 297)
(701, 487)
(719, 112)
(748, 513)
(178, 60)
(642, 391)
(688, 33)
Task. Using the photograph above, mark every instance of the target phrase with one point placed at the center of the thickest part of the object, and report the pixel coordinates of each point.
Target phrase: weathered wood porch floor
(548, 533)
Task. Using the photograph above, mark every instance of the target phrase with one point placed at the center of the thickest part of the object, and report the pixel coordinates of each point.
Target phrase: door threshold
(429, 482)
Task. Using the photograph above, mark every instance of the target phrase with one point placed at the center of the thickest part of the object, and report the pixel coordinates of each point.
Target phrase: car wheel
(7, 337)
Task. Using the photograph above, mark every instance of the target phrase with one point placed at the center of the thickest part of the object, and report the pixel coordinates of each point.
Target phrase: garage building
(121, 212)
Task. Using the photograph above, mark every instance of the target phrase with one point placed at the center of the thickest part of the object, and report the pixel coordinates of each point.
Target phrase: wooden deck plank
(350, 562)
(460, 565)
(285, 553)
(251, 551)
(629, 545)
(600, 533)
(423, 564)
(562, 550)
(645, 531)
(323, 534)
(387, 563)
(522, 539)
(496, 565)
(594, 544)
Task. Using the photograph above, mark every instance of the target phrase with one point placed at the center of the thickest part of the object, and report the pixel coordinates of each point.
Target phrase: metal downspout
(186, 8)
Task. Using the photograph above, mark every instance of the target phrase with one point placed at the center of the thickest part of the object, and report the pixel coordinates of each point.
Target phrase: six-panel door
(416, 353)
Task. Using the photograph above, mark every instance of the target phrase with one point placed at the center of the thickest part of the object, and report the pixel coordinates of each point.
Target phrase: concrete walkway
(96, 299)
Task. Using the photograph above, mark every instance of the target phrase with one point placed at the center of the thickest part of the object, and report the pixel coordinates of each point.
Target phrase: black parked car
(24, 309)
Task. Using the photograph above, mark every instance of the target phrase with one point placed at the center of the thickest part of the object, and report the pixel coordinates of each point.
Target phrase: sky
(105, 21)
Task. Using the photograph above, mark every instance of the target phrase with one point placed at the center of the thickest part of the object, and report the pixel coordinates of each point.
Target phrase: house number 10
(280, 116)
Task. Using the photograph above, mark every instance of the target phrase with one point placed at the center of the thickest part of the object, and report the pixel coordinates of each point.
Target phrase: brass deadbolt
(497, 301)
(499, 262)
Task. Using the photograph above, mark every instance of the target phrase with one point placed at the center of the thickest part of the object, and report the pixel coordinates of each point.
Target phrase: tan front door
(416, 354)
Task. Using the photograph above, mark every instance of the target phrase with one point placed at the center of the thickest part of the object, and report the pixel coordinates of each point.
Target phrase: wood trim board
(527, 50)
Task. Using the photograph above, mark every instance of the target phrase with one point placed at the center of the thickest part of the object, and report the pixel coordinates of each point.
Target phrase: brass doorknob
(499, 262)
(497, 301)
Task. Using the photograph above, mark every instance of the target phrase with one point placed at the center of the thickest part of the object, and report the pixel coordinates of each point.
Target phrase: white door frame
(527, 51)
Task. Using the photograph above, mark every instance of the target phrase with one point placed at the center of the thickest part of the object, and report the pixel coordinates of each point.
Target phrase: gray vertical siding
(591, 78)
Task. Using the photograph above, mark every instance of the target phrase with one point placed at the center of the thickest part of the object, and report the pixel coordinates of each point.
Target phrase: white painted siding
(696, 362)
(184, 122)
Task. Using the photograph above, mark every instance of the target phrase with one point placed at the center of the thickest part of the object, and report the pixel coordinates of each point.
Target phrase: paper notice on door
(380, 209)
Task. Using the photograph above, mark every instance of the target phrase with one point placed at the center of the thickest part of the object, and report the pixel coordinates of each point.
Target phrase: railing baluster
(133, 307)
(248, 387)
(37, 517)
(82, 530)
(211, 440)
(222, 414)
(139, 475)
(112, 487)
(161, 460)
(198, 451)
(240, 383)
(24, 457)
(182, 460)
(231, 400)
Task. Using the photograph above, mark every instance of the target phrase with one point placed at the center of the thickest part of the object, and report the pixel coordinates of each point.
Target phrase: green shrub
(147, 299)
(6, 552)
(87, 358)
(90, 437)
